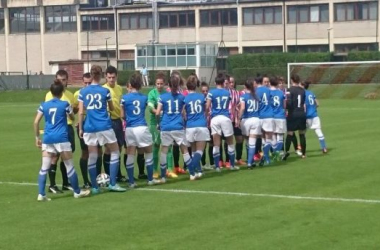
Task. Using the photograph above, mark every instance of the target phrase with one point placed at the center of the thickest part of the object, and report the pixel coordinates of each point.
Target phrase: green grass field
(323, 202)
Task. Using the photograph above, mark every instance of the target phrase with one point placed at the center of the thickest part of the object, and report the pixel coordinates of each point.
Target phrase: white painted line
(293, 197)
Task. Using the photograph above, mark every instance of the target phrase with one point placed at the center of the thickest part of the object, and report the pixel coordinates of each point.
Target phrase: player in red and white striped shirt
(234, 111)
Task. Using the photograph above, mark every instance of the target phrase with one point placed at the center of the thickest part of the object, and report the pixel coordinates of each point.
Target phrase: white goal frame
(326, 63)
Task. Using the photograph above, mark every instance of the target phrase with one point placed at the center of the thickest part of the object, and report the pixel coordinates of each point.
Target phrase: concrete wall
(65, 48)
(3, 58)
(17, 58)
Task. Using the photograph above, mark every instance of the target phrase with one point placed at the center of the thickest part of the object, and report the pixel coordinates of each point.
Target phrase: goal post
(353, 72)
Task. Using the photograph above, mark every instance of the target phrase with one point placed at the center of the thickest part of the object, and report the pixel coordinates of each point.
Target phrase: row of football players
(97, 129)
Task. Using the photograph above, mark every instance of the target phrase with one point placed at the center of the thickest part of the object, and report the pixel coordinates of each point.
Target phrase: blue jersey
(195, 110)
(172, 106)
(55, 113)
(311, 105)
(265, 108)
(251, 106)
(134, 105)
(278, 98)
(220, 102)
(95, 98)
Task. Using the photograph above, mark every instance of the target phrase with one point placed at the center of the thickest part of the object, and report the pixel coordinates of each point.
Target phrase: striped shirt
(234, 104)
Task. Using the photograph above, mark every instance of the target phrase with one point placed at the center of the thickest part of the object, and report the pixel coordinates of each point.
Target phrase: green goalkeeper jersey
(152, 104)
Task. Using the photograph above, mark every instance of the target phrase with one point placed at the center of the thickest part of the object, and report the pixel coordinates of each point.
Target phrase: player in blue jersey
(55, 140)
(266, 117)
(279, 116)
(218, 101)
(249, 121)
(312, 118)
(97, 128)
(197, 133)
(137, 134)
(170, 106)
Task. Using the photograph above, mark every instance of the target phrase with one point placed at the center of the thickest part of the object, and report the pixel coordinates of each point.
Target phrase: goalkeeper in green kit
(153, 96)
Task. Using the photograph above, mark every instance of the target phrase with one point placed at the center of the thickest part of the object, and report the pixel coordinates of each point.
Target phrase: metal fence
(19, 82)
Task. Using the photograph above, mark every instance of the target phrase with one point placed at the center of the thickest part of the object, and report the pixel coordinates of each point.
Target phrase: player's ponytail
(135, 81)
(249, 84)
(174, 84)
(96, 73)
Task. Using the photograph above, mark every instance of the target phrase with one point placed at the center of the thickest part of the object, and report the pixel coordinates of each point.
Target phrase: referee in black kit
(296, 119)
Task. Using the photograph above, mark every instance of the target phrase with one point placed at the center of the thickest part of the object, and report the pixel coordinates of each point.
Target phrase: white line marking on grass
(292, 197)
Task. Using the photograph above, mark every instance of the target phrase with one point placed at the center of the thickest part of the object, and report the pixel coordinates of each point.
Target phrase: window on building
(98, 22)
(208, 53)
(170, 55)
(95, 4)
(355, 47)
(227, 17)
(24, 20)
(267, 15)
(177, 19)
(355, 11)
(98, 54)
(308, 13)
(136, 21)
(308, 48)
(263, 49)
(2, 23)
(60, 18)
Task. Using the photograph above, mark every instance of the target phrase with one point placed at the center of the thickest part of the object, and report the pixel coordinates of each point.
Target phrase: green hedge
(363, 56)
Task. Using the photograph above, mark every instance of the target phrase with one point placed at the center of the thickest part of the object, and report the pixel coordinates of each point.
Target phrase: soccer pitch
(323, 202)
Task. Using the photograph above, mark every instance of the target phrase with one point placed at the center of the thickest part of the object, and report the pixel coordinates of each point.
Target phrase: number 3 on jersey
(137, 109)
(95, 101)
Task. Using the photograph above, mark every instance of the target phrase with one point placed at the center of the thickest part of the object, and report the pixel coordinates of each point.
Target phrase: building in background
(74, 34)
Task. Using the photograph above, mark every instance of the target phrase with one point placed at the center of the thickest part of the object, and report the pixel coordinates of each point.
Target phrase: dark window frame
(36, 23)
(356, 11)
(91, 19)
(348, 47)
(312, 48)
(190, 22)
(220, 20)
(71, 23)
(2, 22)
(309, 6)
(273, 8)
(137, 15)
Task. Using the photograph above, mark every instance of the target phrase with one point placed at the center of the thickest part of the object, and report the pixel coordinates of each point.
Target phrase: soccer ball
(103, 180)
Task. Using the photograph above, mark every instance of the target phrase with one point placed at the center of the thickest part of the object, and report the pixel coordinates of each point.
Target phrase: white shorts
(57, 147)
(313, 123)
(266, 124)
(100, 138)
(279, 126)
(168, 138)
(250, 126)
(221, 124)
(138, 136)
(197, 134)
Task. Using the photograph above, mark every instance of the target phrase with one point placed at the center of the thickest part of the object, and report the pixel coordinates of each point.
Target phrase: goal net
(360, 72)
